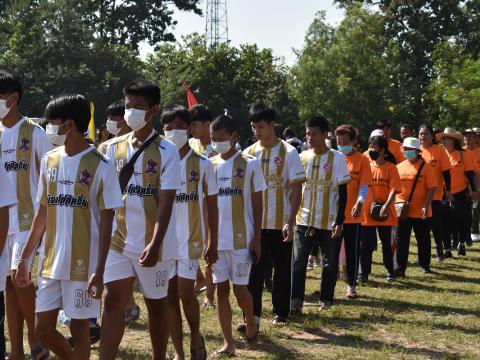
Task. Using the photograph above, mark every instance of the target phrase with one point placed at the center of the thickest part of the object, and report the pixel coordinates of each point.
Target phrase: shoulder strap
(410, 197)
(127, 171)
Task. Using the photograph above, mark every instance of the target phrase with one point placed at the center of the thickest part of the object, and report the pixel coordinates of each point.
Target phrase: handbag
(402, 207)
(375, 209)
(127, 171)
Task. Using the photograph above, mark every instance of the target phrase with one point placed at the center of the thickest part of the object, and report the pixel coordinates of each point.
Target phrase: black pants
(305, 238)
(436, 225)
(367, 246)
(421, 228)
(457, 220)
(351, 237)
(281, 257)
(2, 327)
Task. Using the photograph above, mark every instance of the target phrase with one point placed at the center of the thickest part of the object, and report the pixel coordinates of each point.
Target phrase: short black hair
(145, 88)
(429, 128)
(172, 112)
(74, 107)
(116, 109)
(407, 126)
(319, 122)
(262, 112)
(383, 124)
(224, 122)
(200, 112)
(288, 132)
(9, 83)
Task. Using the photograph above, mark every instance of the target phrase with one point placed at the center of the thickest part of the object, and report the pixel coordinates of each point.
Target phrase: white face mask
(135, 118)
(221, 147)
(178, 137)
(53, 136)
(4, 110)
(112, 127)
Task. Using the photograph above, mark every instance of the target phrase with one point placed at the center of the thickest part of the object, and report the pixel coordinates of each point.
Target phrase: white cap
(411, 142)
(377, 132)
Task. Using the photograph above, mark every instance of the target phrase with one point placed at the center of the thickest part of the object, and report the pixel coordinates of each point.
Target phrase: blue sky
(276, 24)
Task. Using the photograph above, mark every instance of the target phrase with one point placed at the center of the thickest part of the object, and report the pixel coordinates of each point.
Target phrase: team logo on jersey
(327, 167)
(193, 177)
(24, 145)
(278, 161)
(239, 173)
(79, 267)
(85, 178)
(151, 167)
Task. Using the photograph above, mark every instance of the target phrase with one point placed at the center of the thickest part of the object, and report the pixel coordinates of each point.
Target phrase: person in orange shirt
(382, 190)
(471, 150)
(359, 169)
(394, 146)
(435, 155)
(462, 174)
(420, 206)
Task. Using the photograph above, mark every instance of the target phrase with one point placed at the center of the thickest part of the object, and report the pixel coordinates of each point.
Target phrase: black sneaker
(468, 241)
(363, 280)
(279, 320)
(461, 250)
(391, 278)
(448, 254)
(427, 271)
(400, 274)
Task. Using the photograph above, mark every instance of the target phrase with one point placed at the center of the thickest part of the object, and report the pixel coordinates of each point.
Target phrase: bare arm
(257, 206)
(211, 255)
(165, 205)
(3, 227)
(428, 201)
(95, 284)
(295, 200)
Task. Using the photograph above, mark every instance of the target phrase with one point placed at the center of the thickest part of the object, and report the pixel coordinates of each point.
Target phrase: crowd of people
(187, 211)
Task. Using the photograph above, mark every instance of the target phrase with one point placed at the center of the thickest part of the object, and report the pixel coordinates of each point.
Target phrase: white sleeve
(295, 170)
(170, 171)
(258, 181)
(109, 195)
(7, 196)
(42, 144)
(42, 183)
(210, 180)
(343, 175)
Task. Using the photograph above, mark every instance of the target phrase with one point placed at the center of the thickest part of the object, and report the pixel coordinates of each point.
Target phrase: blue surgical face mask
(345, 149)
(410, 154)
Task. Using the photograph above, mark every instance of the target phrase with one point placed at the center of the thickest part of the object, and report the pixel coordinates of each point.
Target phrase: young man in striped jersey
(144, 242)
(322, 213)
(116, 124)
(23, 145)
(77, 192)
(240, 186)
(198, 186)
(284, 175)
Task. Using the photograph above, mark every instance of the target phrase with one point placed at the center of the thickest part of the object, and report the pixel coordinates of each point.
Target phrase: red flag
(190, 97)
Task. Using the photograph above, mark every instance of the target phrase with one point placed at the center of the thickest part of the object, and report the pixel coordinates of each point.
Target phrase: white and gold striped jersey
(205, 150)
(7, 197)
(23, 147)
(157, 168)
(197, 181)
(237, 178)
(74, 189)
(325, 173)
(103, 147)
(281, 168)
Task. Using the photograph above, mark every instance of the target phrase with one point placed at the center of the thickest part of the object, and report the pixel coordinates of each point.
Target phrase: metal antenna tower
(216, 25)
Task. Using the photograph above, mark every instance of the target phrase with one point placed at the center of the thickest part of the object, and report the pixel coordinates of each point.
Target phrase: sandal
(223, 353)
(199, 354)
(132, 314)
(40, 352)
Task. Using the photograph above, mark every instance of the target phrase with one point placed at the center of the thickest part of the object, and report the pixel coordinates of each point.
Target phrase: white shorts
(153, 281)
(71, 296)
(233, 265)
(185, 268)
(16, 242)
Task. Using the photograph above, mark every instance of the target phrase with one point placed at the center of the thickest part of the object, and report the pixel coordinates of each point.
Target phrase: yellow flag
(91, 125)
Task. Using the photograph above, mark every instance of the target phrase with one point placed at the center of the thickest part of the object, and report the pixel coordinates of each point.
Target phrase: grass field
(419, 317)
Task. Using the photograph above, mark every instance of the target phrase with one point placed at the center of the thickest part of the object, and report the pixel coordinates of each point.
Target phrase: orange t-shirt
(460, 162)
(385, 179)
(426, 180)
(395, 147)
(437, 158)
(475, 158)
(359, 170)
